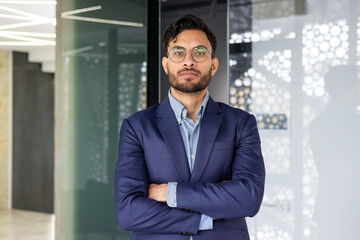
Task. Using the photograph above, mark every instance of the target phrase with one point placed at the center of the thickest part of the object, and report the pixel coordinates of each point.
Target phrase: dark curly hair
(188, 22)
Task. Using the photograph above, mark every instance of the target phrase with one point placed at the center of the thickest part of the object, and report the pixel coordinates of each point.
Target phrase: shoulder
(137, 122)
(144, 115)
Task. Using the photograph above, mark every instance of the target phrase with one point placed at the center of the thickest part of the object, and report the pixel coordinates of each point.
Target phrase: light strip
(29, 2)
(89, 9)
(25, 24)
(34, 16)
(45, 42)
(30, 34)
(79, 50)
(99, 20)
(15, 17)
(26, 38)
(24, 44)
(70, 15)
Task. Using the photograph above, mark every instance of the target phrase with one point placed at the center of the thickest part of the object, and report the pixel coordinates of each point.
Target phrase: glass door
(101, 79)
(294, 64)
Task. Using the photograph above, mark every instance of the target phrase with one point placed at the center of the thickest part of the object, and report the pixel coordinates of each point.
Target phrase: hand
(158, 192)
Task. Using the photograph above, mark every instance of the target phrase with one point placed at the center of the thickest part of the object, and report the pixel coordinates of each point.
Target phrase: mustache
(189, 69)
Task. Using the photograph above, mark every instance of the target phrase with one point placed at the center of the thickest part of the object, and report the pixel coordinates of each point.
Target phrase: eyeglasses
(199, 54)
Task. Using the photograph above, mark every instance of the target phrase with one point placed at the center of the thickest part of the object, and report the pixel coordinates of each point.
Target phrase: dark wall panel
(33, 136)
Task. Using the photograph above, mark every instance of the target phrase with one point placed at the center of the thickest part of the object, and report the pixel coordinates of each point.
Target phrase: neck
(191, 101)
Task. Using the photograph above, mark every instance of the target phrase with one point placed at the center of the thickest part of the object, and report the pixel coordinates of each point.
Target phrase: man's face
(188, 75)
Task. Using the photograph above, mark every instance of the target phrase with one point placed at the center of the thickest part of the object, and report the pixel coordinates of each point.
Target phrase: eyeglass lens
(199, 54)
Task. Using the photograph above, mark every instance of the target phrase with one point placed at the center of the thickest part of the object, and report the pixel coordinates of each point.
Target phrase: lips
(188, 74)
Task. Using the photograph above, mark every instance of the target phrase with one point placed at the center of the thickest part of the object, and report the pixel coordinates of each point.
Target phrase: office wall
(4, 129)
(33, 136)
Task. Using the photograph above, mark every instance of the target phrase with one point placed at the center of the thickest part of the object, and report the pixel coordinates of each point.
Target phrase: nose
(189, 61)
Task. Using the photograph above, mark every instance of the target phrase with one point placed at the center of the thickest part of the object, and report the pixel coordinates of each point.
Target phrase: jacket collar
(168, 126)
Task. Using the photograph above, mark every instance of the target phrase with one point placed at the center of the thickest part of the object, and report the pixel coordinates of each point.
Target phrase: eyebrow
(200, 46)
(178, 47)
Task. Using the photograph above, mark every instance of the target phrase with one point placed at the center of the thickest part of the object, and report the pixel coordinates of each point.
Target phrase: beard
(189, 85)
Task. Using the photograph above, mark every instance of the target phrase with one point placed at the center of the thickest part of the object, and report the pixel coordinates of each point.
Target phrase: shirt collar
(181, 112)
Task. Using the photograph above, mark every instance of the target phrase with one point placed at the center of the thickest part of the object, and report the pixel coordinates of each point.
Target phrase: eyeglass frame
(168, 55)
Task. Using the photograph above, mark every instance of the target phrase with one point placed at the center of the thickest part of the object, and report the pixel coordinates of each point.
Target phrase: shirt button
(179, 120)
(192, 155)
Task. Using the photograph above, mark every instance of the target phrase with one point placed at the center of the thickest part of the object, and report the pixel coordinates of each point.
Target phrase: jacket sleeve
(240, 197)
(134, 210)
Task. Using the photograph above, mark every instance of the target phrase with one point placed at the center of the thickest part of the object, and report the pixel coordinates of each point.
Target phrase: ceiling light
(29, 2)
(70, 15)
(15, 17)
(81, 10)
(23, 44)
(27, 39)
(100, 20)
(34, 16)
(79, 50)
(30, 34)
(18, 25)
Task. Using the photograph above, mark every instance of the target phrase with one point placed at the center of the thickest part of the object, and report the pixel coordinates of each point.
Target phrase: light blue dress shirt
(190, 135)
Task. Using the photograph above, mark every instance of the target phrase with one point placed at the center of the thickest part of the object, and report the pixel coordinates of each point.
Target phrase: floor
(26, 225)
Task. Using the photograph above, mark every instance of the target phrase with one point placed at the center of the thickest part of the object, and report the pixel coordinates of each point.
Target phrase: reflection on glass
(293, 65)
(324, 45)
(358, 41)
(103, 81)
(336, 154)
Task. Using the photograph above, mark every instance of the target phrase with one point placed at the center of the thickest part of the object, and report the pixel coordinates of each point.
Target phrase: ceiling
(29, 26)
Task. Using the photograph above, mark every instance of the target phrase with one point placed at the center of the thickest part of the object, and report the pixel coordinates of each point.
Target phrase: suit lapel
(209, 128)
(170, 131)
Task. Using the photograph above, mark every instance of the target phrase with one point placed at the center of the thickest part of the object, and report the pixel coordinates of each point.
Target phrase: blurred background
(71, 71)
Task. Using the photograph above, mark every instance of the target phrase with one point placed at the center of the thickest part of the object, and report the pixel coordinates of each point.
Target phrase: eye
(200, 53)
(178, 53)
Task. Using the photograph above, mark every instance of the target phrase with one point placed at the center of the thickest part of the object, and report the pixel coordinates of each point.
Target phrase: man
(189, 167)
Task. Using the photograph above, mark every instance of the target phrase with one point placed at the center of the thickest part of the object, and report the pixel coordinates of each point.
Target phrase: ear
(214, 65)
(164, 64)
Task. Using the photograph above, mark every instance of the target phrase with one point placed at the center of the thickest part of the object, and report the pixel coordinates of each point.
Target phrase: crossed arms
(139, 204)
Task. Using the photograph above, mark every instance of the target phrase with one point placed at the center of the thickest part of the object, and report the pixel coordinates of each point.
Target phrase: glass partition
(102, 80)
(294, 64)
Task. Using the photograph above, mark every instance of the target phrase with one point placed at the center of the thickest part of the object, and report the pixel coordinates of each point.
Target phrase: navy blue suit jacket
(227, 182)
